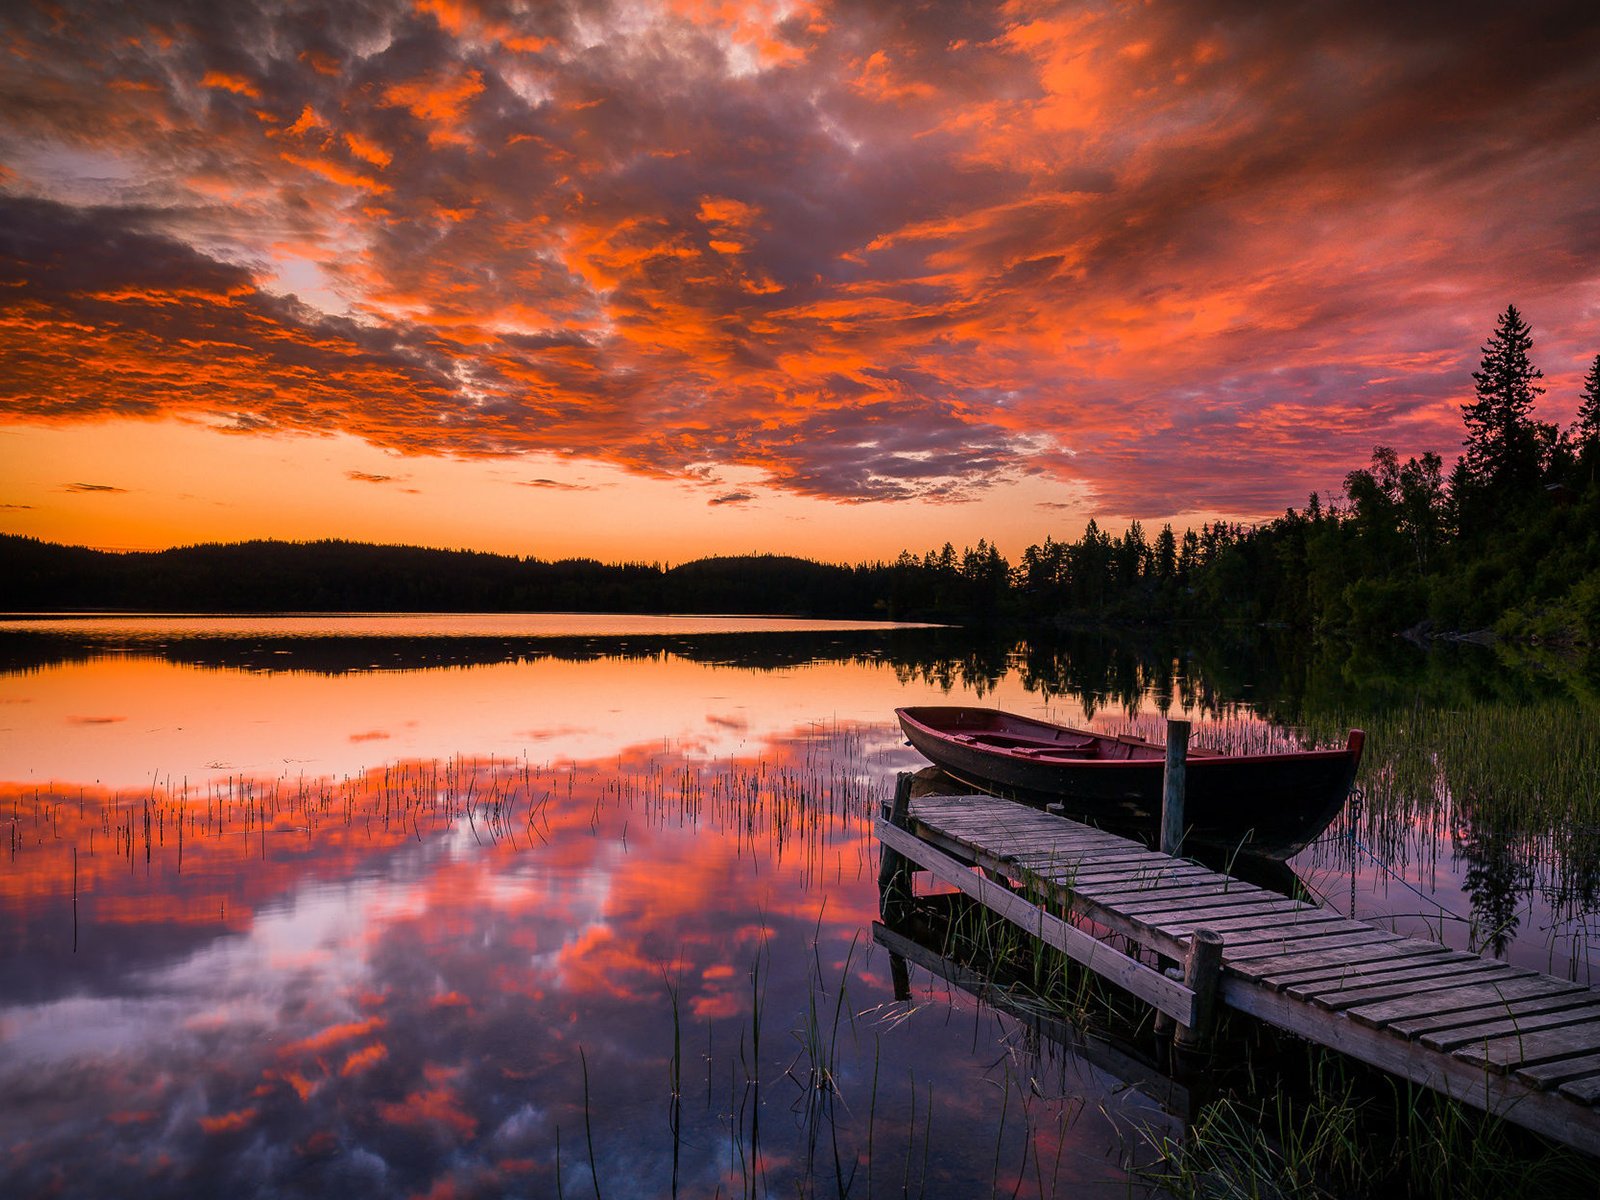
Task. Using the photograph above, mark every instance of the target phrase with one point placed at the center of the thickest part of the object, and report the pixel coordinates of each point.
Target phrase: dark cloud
(365, 477)
(732, 498)
(875, 253)
(95, 488)
(554, 485)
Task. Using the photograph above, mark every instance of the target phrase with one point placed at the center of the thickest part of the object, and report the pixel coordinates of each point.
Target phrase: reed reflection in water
(463, 974)
(438, 914)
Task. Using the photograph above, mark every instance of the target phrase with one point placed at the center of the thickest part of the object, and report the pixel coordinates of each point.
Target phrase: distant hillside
(339, 576)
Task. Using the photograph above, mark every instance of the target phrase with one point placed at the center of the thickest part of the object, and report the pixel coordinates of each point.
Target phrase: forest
(1506, 540)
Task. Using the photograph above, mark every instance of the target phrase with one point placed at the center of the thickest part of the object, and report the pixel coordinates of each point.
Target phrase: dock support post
(894, 869)
(1172, 787)
(1202, 971)
(900, 975)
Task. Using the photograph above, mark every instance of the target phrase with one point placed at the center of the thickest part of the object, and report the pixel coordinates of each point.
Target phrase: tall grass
(1335, 1143)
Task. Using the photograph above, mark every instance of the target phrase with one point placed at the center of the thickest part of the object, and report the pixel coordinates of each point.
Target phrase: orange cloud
(332, 1036)
(230, 83)
(229, 1122)
(853, 257)
(364, 1060)
(436, 1107)
(439, 101)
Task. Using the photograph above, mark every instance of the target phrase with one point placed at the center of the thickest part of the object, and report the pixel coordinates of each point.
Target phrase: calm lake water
(577, 905)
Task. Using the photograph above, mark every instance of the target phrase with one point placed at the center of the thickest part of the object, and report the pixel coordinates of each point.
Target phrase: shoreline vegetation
(1507, 543)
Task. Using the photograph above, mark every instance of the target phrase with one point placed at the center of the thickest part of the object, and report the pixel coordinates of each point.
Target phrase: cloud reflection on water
(323, 1000)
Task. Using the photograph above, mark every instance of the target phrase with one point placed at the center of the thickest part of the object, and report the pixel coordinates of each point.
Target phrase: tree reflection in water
(392, 979)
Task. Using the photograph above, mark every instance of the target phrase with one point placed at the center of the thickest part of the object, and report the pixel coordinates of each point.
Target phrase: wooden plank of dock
(1513, 1042)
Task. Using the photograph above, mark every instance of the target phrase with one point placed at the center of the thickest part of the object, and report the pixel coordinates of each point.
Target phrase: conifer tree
(1586, 432)
(1503, 445)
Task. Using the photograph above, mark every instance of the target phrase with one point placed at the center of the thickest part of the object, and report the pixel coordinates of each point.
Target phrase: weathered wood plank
(1065, 882)
(1511, 989)
(1247, 945)
(1223, 904)
(1131, 886)
(1044, 844)
(1149, 985)
(1461, 1035)
(1309, 958)
(1257, 916)
(1370, 972)
(1487, 1010)
(1016, 823)
(1545, 1045)
(1154, 867)
(1183, 890)
(1013, 821)
(1067, 866)
(1043, 826)
(1263, 912)
(1583, 1091)
(1377, 970)
(1554, 1074)
(1337, 998)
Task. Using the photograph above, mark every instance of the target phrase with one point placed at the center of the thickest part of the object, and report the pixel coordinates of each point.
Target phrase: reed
(675, 1078)
(588, 1128)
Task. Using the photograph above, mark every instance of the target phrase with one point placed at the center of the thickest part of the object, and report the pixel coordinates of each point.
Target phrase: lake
(484, 906)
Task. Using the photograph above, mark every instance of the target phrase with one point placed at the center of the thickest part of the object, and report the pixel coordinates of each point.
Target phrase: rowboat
(1271, 805)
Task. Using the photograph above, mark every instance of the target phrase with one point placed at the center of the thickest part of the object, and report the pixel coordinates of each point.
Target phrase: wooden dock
(1523, 1046)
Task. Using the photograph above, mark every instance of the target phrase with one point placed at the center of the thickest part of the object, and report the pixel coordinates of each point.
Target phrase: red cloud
(438, 1106)
(1182, 256)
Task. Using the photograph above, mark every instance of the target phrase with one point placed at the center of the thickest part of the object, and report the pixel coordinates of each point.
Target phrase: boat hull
(1271, 805)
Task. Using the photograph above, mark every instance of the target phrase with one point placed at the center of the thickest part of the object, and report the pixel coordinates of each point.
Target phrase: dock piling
(1202, 970)
(894, 869)
(1172, 787)
(900, 976)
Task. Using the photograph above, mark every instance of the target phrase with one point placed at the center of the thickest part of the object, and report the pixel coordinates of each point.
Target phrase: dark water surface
(444, 906)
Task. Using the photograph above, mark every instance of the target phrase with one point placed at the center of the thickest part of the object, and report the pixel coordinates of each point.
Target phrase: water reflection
(456, 976)
(419, 914)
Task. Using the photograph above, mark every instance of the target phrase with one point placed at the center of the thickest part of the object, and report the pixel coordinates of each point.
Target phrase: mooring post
(1172, 787)
(1202, 971)
(894, 869)
(900, 976)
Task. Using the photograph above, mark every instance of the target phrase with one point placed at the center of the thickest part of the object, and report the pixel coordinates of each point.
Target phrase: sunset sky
(651, 281)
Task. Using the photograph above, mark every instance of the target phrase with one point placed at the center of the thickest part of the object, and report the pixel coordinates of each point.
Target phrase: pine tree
(1586, 432)
(1166, 554)
(1502, 438)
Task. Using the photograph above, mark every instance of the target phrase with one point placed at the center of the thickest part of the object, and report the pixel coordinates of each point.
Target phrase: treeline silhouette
(1508, 538)
(340, 576)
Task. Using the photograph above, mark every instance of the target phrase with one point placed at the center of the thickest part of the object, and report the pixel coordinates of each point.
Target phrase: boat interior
(1080, 747)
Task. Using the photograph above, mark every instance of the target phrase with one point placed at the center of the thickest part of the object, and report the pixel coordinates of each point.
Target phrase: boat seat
(1016, 741)
(1057, 751)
